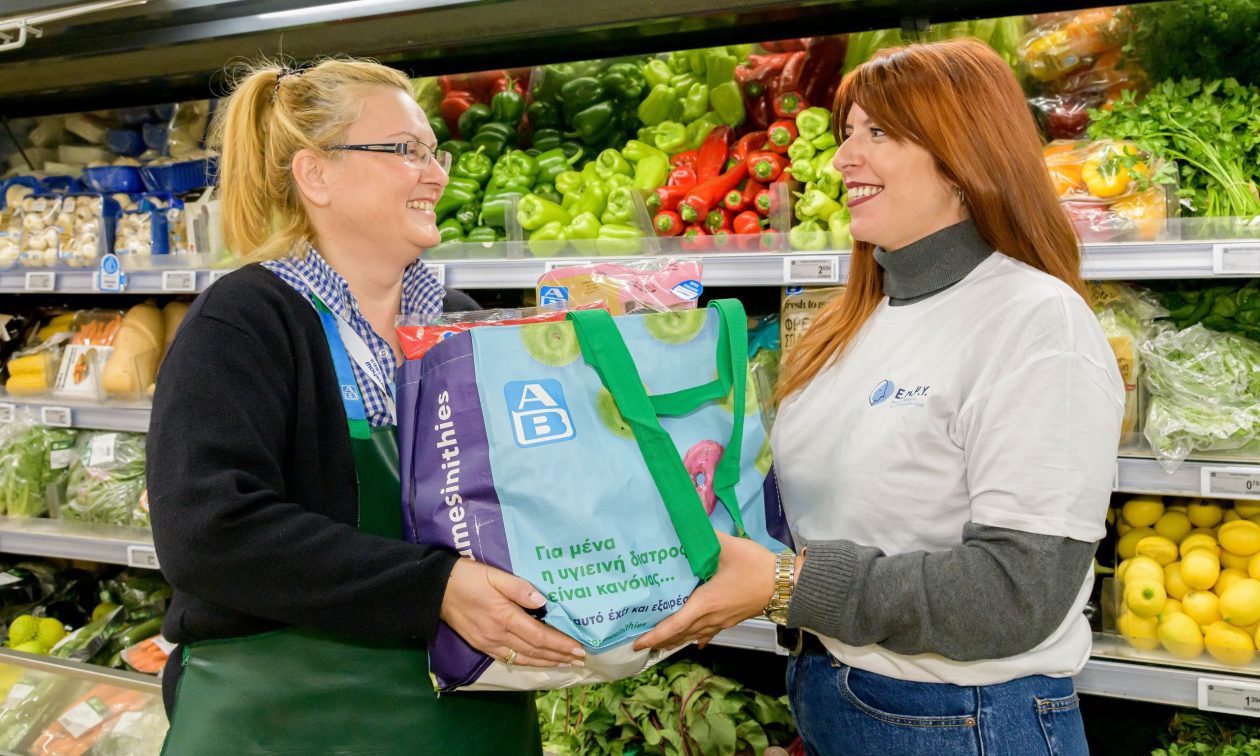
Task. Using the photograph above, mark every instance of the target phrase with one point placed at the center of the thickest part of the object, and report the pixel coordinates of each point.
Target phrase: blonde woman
(301, 615)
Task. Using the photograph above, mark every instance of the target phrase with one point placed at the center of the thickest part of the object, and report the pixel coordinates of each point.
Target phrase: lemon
(1111, 515)
(1127, 544)
(1241, 537)
(1234, 561)
(1173, 584)
(1122, 527)
(31, 647)
(1204, 514)
(1240, 603)
(1145, 597)
(1171, 606)
(1227, 578)
(1139, 631)
(1180, 636)
(1199, 540)
(1253, 567)
(1142, 511)
(1204, 607)
(22, 629)
(1158, 548)
(51, 631)
(1175, 507)
(102, 609)
(1228, 644)
(1141, 568)
(1230, 516)
(1247, 508)
(1174, 526)
(1200, 568)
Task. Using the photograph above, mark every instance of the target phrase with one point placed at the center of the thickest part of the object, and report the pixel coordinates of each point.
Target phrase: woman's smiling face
(896, 194)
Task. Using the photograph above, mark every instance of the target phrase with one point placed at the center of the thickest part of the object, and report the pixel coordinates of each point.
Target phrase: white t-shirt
(998, 402)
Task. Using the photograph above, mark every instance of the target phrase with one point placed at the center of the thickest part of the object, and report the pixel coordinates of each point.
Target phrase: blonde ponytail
(272, 113)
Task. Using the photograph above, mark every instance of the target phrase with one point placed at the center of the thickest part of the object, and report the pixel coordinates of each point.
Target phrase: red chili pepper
(790, 78)
(770, 241)
(694, 237)
(780, 136)
(685, 159)
(681, 177)
(824, 65)
(668, 197)
(747, 222)
(703, 197)
(785, 45)
(762, 202)
(453, 106)
(712, 156)
(723, 239)
(751, 190)
(766, 166)
(667, 223)
(501, 84)
(756, 80)
(788, 104)
(717, 219)
(750, 142)
(653, 203)
(734, 201)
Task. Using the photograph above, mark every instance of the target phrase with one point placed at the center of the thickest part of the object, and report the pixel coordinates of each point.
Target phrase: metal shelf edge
(93, 543)
(86, 415)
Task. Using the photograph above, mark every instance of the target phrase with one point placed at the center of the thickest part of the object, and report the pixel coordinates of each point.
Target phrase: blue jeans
(843, 711)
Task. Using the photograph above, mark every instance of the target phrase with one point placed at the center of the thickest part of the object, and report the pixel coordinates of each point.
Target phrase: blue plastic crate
(178, 178)
(114, 178)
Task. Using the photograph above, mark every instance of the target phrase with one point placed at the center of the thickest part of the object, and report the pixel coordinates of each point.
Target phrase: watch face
(778, 616)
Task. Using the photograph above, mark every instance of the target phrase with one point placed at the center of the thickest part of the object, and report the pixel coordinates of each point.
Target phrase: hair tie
(286, 71)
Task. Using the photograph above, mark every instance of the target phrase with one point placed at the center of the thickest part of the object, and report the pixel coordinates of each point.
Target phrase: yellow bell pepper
(1147, 211)
(1108, 171)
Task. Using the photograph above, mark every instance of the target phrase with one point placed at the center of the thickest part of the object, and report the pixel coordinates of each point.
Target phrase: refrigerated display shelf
(82, 671)
(32, 536)
(112, 415)
(171, 280)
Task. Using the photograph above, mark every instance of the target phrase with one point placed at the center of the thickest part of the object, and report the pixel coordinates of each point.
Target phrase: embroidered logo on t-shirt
(887, 390)
(882, 392)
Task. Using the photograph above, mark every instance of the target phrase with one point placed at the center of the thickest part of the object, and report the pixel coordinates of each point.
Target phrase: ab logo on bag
(539, 413)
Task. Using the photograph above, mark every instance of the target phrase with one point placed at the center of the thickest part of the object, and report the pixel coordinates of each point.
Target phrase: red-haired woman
(945, 440)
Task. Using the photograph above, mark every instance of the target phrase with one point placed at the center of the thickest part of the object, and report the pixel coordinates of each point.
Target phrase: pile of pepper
(594, 102)
(690, 94)
(811, 146)
(792, 74)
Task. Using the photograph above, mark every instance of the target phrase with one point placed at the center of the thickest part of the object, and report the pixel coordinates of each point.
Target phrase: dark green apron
(302, 691)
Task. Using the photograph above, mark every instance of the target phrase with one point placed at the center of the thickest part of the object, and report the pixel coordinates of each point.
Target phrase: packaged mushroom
(152, 230)
(89, 218)
(45, 228)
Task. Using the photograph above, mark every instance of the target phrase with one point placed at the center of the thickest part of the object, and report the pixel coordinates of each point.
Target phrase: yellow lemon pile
(1190, 574)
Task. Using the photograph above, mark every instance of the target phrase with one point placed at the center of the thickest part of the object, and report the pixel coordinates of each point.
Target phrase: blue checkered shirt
(421, 295)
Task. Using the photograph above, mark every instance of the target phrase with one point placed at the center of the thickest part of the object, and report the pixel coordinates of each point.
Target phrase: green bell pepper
(651, 172)
(482, 234)
(495, 208)
(594, 124)
(802, 170)
(451, 230)
(551, 164)
(472, 119)
(491, 142)
(467, 215)
(670, 137)
(824, 140)
(812, 122)
(542, 114)
(458, 192)
(625, 81)
(441, 131)
(616, 181)
(696, 60)
(660, 105)
(814, 204)
(456, 147)
(547, 240)
(592, 198)
(583, 227)
(809, 236)
(534, 212)
(451, 250)
(656, 72)
(514, 169)
(635, 150)
(547, 139)
(801, 149)
(823, 163)
(548, 192)
(695, 102)
(610, 161)
(569, 183)
(678, 63)
(620, 206)
(619, 239)
(579, 94)
(728, 103)
(473, 165)
(719, 67)
(838, 230)
(507, 106)
(574, 151)
(699, 129)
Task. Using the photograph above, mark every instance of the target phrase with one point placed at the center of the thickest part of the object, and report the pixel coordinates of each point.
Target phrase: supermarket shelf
(82, 671)
(77, 540)
(167, 281)
(116, 416)
(1138, 472)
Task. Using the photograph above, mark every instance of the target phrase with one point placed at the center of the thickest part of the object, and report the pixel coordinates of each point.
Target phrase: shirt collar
(421, 292)
(935, 262)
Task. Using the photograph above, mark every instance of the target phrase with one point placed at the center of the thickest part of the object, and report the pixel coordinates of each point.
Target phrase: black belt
(798, 642)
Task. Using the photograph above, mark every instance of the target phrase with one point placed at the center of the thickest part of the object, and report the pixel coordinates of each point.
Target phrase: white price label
(45, 281)
(179, 280)
(7, 412)
(128, 722)
(81, 718)
(101, 451)
(550, 265)
(439, 270)
(142, 556)
(8, 578)
(215, 275)
(1230, 482)
(17, 694)
(1236, 259)
(58, 416)
(802, 269)
(1231, 697)
(166, 646)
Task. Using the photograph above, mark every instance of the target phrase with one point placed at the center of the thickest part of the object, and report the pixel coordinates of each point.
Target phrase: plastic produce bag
(83, 723)
(106, 478)
(133, 732)
(1112, 191)
(1205, 393)
(653, 285)
(1126, 316)
(1071, 42)
(34, 464)
(418, 334)
(28, 705)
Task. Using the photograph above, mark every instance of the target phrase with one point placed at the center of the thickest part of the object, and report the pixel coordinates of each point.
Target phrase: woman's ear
(312, 173)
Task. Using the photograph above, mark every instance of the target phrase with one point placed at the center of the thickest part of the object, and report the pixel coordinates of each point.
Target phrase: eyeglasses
(414, 152)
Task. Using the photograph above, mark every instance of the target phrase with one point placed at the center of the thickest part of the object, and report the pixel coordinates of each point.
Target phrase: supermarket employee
(946, 439)
(301, 615)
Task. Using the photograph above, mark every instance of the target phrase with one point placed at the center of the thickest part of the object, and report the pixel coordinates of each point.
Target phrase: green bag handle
(605, 351)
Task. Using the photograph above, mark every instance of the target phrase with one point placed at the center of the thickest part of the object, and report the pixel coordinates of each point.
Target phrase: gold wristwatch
(777, 610)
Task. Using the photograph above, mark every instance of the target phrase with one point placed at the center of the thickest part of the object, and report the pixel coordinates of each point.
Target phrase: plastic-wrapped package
(86, 353)
(29, 703)
(1204, 393)
(418, 334)
(44, 231)
(1127, 316)
(652, 285)
(106, 478)
(83, 723)
(1067, 44)
(1111, 190)
(156, 227)
(133, 732)
(34, 466)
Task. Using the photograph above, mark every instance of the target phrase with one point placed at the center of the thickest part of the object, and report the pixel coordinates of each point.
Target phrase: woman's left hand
(740, 589)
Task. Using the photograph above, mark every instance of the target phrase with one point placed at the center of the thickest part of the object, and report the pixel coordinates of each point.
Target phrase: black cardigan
(251, 481)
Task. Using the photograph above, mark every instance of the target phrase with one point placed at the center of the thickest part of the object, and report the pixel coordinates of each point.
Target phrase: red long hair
(960, 102)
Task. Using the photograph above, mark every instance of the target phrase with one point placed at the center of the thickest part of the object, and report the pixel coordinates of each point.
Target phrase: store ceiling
(175, 49)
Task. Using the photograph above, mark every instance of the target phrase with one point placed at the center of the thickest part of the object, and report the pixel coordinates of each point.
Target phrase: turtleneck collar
(932, 264)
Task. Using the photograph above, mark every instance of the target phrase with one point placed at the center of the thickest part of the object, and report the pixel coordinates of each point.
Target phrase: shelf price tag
(215, 275)
(811, 269)
(179, 280)
(439, 270)
(42, 281)
(1229, 696)
(142, 556)
(1236, 259)
(109, 275)
(1230, 482)
(7, 412)
(60, 417)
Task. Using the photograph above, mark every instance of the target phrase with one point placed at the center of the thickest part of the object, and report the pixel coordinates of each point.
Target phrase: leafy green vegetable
(1209, 129)
(27, 474)
(1230, 307)
(1201, 734)
(680, 708)
(106, 478)
(1210, 39)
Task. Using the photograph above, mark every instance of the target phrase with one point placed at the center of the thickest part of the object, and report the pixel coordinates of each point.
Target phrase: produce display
(1127, 317)
(106, 480)
(1112, 191)
(34, 467)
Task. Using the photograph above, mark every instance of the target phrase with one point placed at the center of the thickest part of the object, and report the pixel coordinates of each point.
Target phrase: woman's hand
(483, 605)
(740, 589)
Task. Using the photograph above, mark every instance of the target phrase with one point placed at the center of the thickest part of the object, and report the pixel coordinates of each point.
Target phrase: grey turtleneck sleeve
(999, 593)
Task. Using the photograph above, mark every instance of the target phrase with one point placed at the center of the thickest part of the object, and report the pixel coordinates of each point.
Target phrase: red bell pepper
(454, 103)
(668, 197)
(734, 201)
(766, 166)
(712, 157)
(717, 219)
(780, 136)
(722, 239)
(682, 177)
(685, 159)
(667, 223)
(747, 222)
(762, 202)
(787, 104)
(704, 197)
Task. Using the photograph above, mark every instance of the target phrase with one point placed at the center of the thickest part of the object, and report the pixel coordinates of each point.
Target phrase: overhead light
(31, 24)
(321, 10)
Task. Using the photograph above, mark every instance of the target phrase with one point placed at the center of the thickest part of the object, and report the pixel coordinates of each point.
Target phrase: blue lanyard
(347, 385)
